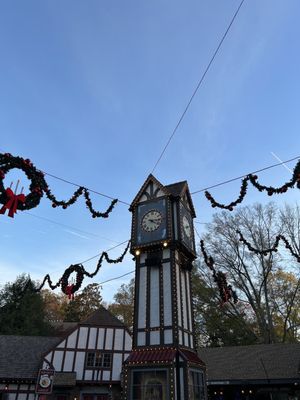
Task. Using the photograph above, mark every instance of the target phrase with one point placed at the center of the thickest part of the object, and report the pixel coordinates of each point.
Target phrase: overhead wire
(198, 85)
(91, 190)
(111, 248)
(67, 226)
(243, 176)
(77, 185)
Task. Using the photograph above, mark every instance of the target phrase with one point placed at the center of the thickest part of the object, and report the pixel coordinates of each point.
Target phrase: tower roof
(177, 189)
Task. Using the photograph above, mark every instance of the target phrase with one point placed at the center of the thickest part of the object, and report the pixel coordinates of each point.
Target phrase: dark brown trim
(28, 389)
(83, 383)
(75, 350)
(64, 356)
(161, 305)
(195, 345)
(86, 352)
(136, 303)
(28, 392)
(91, 350)
(52, 356)
(123, 346)
(112, 358)
(181, 301)
(148, 294)
(188, 305)
(174, 302)
(17, 391)
(104, 339)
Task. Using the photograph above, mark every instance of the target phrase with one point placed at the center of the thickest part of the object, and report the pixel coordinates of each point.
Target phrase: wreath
(12, 201)
(70, 289)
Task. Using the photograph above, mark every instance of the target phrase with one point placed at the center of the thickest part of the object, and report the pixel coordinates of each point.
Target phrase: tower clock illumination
(164, 357)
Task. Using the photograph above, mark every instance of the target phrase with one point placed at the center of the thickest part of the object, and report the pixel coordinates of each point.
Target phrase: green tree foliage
(267, 286)
(22, 310)
(83, 304)
(122, 308)
(217, 325)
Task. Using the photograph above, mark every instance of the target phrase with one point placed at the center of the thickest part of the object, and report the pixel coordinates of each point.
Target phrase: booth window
(96, 359)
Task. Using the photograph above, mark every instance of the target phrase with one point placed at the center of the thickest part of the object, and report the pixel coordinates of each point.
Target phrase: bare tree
(269, 296)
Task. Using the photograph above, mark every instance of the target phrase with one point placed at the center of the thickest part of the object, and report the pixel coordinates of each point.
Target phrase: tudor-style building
(87, 361)
(163, 363)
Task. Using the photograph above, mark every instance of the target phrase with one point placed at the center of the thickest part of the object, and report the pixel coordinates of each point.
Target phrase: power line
(198, 85)
(77, 185)
(91, 190)
(68, 226)
(243, 176)
(97, 255)
(117, 277)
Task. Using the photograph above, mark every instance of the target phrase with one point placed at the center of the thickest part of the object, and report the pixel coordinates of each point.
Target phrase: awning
(155, 356)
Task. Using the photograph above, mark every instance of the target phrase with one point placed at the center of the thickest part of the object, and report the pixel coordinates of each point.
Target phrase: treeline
(267, 286)
(26, 312)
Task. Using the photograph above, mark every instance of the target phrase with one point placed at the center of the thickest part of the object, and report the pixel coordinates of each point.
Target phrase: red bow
(12, 202)
(69, 292)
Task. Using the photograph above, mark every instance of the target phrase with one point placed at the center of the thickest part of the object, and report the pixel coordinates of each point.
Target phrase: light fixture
(165, 244)
(137, 252)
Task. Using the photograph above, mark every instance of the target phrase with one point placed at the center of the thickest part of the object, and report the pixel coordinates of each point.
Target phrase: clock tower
(163, 363)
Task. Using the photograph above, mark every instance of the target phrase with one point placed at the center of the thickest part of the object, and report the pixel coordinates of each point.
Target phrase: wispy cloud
(76, 234)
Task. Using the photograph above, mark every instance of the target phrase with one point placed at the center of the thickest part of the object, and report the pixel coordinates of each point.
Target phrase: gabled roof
(174, 189)
(102, 317)
(149, 179)
(178, 189)
(21, 356)
(252, 363)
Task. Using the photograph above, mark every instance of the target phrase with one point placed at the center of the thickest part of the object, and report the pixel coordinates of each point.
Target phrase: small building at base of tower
(164, 374)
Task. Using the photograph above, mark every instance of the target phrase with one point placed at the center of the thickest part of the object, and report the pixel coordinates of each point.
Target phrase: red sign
(45, 381)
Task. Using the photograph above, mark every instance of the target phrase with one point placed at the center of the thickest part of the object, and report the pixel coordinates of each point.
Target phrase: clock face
(45, 381)
(151, 221)
(186, 227)
(186, 223)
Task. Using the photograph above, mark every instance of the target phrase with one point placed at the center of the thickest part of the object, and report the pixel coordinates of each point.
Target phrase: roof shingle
(256, 362)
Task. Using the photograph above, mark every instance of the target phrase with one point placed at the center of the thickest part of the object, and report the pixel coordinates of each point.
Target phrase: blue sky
(91, 91)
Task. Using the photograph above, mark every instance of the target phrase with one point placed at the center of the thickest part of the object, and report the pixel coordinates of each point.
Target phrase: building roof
(257, 362)
(176, 189)
(151, 356)
(21, 356)
(102, 317)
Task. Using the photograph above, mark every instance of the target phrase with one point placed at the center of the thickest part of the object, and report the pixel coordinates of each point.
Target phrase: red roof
(156, 355)
(191, 357)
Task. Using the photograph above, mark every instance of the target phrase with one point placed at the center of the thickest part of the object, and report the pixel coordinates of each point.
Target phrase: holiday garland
(272, 249)
(254, 180)
(12, 201)
(226, 292)
(70, 289)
